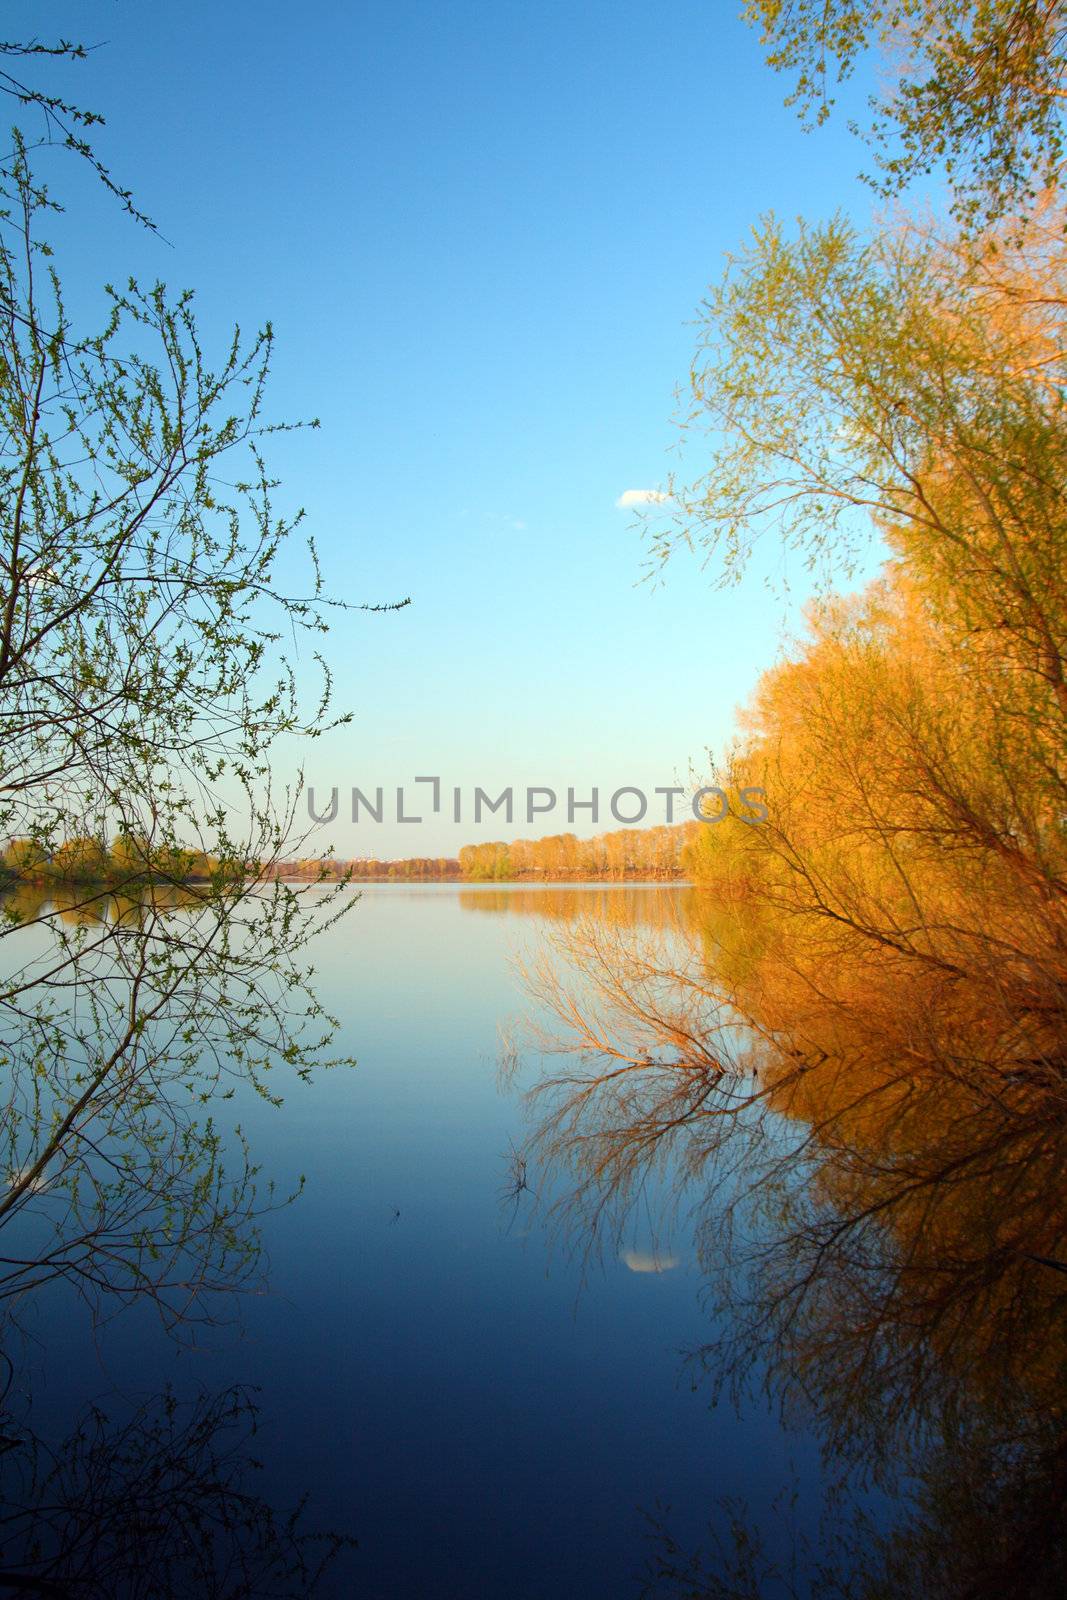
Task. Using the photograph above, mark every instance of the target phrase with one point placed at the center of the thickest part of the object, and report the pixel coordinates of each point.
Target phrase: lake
(448, 1379)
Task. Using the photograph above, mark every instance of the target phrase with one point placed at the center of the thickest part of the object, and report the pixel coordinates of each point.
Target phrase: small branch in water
(516, 1183)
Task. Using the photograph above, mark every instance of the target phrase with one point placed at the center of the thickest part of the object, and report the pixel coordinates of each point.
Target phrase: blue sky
(482, 231)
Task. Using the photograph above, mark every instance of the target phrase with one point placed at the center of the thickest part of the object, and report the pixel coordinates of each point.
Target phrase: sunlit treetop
(972, 88)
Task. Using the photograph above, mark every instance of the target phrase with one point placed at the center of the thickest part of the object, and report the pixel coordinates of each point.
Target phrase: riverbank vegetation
(854, 1054)
(675, 852)
(650, 853)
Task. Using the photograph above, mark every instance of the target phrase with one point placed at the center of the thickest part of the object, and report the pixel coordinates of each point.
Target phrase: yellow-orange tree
(969, 88)
(913, 748)
(864, 1033)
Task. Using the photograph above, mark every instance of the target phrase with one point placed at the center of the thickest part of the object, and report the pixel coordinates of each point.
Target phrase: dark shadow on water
(159, 1504)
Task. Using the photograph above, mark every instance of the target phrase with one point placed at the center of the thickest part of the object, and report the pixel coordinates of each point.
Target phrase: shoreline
(638, 881)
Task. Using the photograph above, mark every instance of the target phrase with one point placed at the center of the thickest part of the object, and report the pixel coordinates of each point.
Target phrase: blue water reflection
(484, 1413)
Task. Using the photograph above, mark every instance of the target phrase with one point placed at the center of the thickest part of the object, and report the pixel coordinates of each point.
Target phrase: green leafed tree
(143, 691)
(972, 89)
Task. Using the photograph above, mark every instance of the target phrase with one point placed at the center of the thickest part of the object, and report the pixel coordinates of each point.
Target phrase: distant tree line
(311, 869)
(659, 852)
(664, 852)
(88, 860)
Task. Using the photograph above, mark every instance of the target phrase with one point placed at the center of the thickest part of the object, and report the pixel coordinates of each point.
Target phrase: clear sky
(482, 230)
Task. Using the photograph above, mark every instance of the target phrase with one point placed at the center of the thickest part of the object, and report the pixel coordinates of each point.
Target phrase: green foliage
(142, 690)
(80, 860)
(978, 93)
(485, 861)
(846, 387)
(66, 124)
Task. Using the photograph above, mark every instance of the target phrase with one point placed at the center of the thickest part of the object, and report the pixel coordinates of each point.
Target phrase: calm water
(442, 1380)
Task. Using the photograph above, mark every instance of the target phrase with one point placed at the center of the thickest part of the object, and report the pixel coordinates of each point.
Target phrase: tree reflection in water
(160, 1505)
(126, 1208)
(878, 1203)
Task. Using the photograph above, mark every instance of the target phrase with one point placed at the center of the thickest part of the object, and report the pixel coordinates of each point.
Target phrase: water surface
(484, 1409)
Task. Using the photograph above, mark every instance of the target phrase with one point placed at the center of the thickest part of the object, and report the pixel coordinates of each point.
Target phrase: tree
(979, 88)
(63, 122)
(858, 1049)
(24, 856)
(81, 859)
(141, 692)
(851, 387)
(485, 861)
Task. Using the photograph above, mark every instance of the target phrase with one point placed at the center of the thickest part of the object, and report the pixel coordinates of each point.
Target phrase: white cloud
(641, 497)
(647, 1261)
